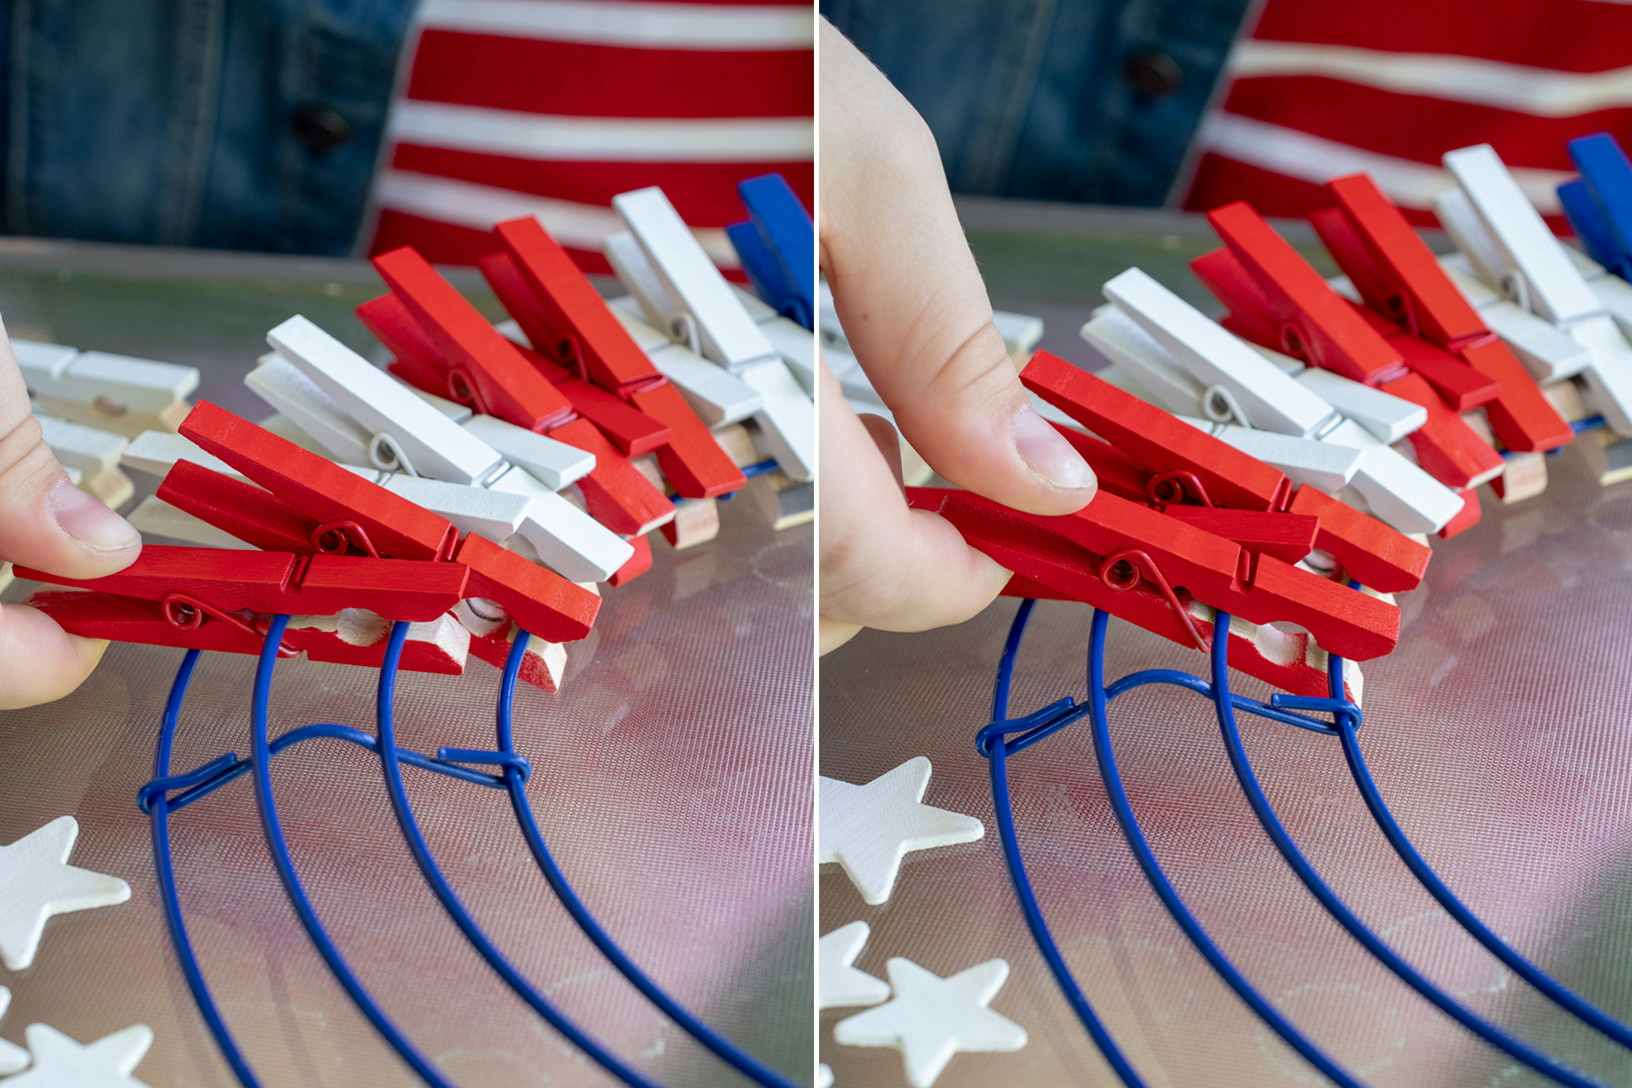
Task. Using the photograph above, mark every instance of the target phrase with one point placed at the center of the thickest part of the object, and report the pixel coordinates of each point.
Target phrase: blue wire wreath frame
(1004, 737)
(169, 792)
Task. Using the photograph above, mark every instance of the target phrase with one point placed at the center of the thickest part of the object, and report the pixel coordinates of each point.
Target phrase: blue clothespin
(777, 247)
(1599, 202)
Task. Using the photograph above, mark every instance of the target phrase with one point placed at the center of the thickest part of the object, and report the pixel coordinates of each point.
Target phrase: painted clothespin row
(116, 393)
(92, 453)
(1599, 201)
(1276, 299)
(777, 247)
(567, 322)
(444, 345)
(1400, 281)
(684, 296)
(494, 514)
(362, 415)
(717, 396)
(306, 505)
(791, 340)
(1190, 365)
(1151, 569)
(1145, 454)
(223, 600)
(1527, 287)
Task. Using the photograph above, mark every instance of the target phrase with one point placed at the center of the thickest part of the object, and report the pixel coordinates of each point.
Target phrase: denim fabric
(1032, 98)
(178, 122)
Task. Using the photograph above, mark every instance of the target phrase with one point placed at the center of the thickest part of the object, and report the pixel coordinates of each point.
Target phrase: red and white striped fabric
(1318, 90)
(552, 107)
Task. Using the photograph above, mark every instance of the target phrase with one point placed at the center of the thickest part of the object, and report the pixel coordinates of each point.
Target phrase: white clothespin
(683, 283)
(1187, 363)
(717, 396)
(685, 296)
(120, 393)
(351, 406)
(1510, 249)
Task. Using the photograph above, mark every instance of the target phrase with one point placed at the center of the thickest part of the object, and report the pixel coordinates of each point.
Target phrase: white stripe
(1311, 158)
(1541, 91)
(580, 226)
(541, 136)
(659, 26)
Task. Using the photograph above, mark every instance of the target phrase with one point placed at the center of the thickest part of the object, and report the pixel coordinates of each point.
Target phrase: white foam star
(12, 1057)
(838, 983)
(37, 882)
(61, 1062)
(868, 829)
(932, 1018)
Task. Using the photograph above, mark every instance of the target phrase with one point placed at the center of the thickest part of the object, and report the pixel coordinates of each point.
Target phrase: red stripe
(1567, 35)
(579, 79)
(705, 194)
(1219, 180)
(452, 243)
(1415, 127)
(438, 242)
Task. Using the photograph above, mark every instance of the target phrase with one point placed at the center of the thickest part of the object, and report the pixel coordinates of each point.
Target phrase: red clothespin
(188, 584)
(565, 318)
(637, 564)
(476, 365)
(1150, 456)
(1169, 578)
(424, 315)
(632, 431)
(1277, 299)
(1116, 539)
(1466, 518)
(372, 544)
(175, 623)
(1400, 280)
(223, 599)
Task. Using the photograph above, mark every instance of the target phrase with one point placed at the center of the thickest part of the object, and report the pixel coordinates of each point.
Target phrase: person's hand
(47, 523)
(916, 312)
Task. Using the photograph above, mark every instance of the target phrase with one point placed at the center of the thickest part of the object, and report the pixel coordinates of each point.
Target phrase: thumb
(48, 523)
(913, 303)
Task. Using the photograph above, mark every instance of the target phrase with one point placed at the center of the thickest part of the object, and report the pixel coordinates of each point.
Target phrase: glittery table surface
(1500, 732)
(671, 778)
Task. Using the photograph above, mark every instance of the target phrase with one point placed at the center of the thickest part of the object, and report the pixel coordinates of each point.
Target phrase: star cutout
(61, 1062)
(37, 882)
(12, 1058)
(837, 982)
(824, 1077)
(932, 1018)
(868, 829)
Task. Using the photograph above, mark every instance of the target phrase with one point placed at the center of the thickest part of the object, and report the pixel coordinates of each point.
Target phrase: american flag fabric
(552, 107)
(1317, 90)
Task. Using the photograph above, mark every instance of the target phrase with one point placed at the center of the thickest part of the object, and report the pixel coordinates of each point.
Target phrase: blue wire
(163, 865)
(1335, 906)
(722, 1048)
(1164, 889)
(450, 899)
(203, 781)
(154, 798)
(1003, 810)
(261, 754)
(1436, 887)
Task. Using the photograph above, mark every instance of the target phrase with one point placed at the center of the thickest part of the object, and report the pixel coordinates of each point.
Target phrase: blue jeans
(239, 124)
(1071, 100)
